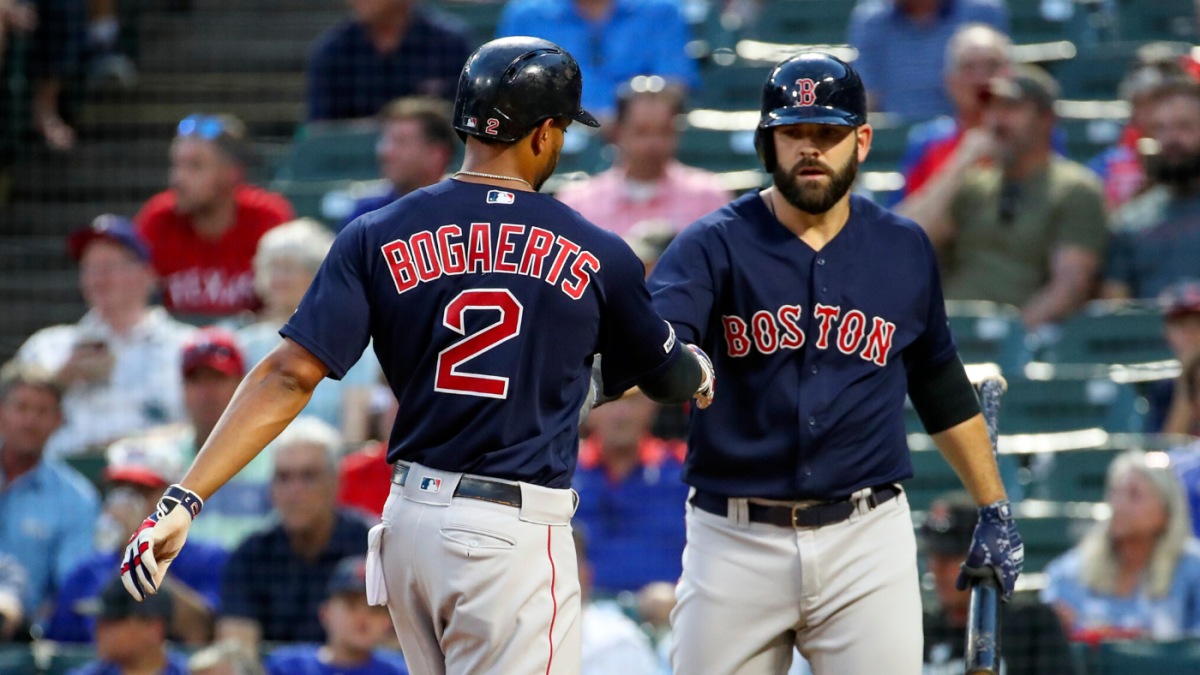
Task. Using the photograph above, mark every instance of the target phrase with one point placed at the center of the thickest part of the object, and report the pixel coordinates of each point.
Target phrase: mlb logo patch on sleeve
(430, 484)
(500, 197)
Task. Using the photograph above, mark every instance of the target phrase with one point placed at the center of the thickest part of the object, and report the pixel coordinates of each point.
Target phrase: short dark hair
(433, 114)
(16, 374)
(642, 88)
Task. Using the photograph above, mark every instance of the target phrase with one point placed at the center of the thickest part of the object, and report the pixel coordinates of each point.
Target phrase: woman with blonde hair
(1138, 573)
(287, 259)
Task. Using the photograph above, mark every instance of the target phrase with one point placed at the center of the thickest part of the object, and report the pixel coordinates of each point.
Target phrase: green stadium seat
(69, 657)
(480, 17)
(1075, 476)
(718, 151)
(932, 477)
(736, 87)
(16, 659)
(1156, 19)
(1047, 537)
(809, 22)
(1160, 658)
(988, 332)
(584, 151)
(1029, 25)
(1094, 74)
(1034, 406)
(1133, 335)
(328, 152)
(91, 466)
(1088, 138)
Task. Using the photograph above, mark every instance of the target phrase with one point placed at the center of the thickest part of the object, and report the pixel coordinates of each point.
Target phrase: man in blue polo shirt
(902, 50)
(631, 498)
(47, 510)
(613, 40)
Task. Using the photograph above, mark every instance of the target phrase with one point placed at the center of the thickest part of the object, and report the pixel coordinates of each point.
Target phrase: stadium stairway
(199, 56)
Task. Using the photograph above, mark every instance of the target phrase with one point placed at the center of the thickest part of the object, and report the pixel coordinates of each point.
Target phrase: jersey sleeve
(333, 320)
(683, 286)
(935, 345)
(634, 340)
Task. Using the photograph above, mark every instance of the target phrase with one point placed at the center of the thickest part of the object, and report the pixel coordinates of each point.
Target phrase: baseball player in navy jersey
(821, 311)
(486, 302)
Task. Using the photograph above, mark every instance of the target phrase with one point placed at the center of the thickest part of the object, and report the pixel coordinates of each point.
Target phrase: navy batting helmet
(812, 88)
(511, 85)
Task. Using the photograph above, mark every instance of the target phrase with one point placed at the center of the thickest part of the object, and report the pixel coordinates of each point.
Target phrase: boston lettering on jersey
(768, 332)
(428, 255)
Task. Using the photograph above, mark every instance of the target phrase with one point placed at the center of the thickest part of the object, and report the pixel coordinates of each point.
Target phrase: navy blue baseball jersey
(810, 347)
(485, 307)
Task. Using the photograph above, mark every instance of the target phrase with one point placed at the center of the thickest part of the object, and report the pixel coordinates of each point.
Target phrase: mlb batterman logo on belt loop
(430, 484)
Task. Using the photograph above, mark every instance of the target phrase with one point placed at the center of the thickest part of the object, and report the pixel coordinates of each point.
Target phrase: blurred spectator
(416, 145)
(286, 262)
(103, 36)
(55, 62)
(631, 497)
(612, 643)
(1155, 66)
(646, 183)
(47, 510)
(354, 631)
(13, 580)
(1031, 637)
(131, 636)
(365, 477)
(1170, 400)
(1186, 460)
(1136, 575)
(138, 471)
(941, 150)
(613, 40)
(225, 658)
(203, 231)
(16, 16)
(119, 365)
(390, 49)
(902, 50)
(1157, 234)
(1031, 231)
(276, 580)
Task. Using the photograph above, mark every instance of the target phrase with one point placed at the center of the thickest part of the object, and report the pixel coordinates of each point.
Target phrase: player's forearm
(271, 396)
(967, 448)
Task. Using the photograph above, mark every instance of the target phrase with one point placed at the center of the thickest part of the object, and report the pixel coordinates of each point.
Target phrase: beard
(547, 172)
(1175, 170)
(811, 196)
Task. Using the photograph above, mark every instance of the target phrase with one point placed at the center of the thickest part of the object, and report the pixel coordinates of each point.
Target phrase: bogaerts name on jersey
(769, 332)
(427, 255)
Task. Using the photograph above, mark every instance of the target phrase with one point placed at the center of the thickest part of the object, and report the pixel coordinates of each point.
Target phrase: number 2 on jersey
(449, 380)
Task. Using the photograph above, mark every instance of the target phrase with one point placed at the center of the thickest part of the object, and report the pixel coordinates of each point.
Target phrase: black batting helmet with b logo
(809, 88)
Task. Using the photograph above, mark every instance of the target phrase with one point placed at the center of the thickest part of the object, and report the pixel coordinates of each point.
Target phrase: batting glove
(708, 383)
(155, 544)
(996, 549)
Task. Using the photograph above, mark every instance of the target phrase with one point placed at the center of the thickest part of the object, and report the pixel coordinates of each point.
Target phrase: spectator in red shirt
(203, 231)
(365, 477)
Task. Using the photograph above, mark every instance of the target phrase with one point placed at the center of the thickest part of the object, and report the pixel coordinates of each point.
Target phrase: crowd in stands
(187, 295)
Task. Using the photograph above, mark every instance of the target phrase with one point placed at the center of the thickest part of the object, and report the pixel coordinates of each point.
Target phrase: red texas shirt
(204, 276)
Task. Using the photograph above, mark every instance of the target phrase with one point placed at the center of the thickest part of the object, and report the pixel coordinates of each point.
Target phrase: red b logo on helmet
(807, 90)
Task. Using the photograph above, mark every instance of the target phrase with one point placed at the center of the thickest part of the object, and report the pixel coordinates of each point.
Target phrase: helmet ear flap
(764, 143)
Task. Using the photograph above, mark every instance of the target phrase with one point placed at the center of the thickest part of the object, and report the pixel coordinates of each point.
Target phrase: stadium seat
(1088, 138)
(91, 466)
(480, 17)
(735, 87)
(1160, 658)
(16, 658)
(327, 152)
(1033, 406)
(1130, 335)
(932, 477)
(1094, 74)
(718, 151)
(887, 146)
(69, 657)
(987, 332)
(1156, 19)
(584, 151)
(1029, 24)
(809, 22)
(1048, 536)
(1074, 476)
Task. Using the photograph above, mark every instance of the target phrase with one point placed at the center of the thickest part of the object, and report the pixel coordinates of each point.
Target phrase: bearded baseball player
(821, 311)
(486, 302)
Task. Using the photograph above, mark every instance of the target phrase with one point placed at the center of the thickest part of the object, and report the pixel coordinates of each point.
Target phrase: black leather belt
(817, 515)
(497, 492)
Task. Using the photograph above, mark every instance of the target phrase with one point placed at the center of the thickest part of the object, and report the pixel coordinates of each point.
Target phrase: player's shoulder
(156, 212)
(730, 218)
(887, 224)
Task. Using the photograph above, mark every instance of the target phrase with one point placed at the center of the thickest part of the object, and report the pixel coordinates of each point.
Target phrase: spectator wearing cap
(137, 472)
(203, 230)
(131, 636)
(1137, 574)
(902, 50)
(276, 579)
(646, 183)
(1031, 230)
(47, 509)
(119, 365)
(389, 49)
(1170, 400)
(630, 492)
(1031, 637)
(612, 643)
(614, 41)
(1157, 234)
(417, 142)
(284, 266)
(354, 631)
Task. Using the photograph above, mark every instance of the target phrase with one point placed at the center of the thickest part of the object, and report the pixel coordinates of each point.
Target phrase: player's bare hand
(158, 541)
(708, 384)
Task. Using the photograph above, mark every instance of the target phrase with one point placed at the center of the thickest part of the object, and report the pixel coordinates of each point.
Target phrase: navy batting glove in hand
(996, 549)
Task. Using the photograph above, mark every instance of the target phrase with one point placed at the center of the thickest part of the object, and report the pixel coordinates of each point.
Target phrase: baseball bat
(983, 615)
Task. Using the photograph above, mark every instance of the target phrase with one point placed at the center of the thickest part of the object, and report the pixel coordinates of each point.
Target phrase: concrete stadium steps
(241, 41)
(33, 254)
(55, 220)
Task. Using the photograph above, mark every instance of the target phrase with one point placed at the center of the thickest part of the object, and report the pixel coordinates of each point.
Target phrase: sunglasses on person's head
(207, 127)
